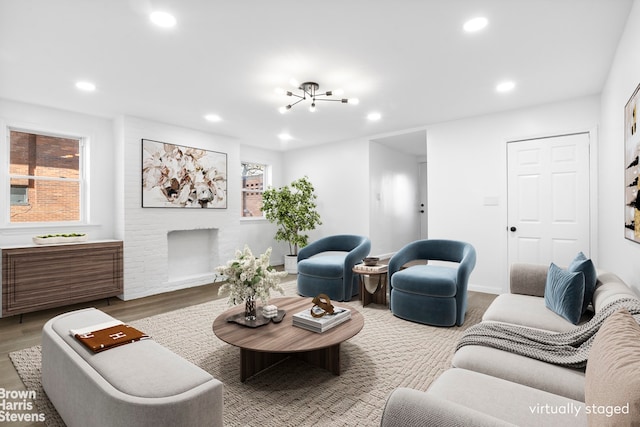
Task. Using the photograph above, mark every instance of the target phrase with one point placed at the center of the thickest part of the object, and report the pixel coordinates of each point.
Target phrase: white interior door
(548, 199)
(422, 199)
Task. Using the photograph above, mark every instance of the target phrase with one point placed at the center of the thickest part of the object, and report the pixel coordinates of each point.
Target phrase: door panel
(548, 199)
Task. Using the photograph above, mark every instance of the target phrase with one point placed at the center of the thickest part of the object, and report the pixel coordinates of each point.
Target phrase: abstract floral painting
(176, 176)
(631, 174)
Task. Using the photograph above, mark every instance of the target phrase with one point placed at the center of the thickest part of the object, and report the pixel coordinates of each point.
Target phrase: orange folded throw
(114, 336)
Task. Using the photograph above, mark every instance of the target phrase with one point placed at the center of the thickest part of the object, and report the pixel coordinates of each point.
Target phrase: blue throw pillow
(564, 293)
(584, 265)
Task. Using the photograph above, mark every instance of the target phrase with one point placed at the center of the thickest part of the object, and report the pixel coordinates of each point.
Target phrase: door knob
(512, 228)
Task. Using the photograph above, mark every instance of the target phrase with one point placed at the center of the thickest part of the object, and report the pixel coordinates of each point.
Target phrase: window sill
(253, 219)
(43, 227)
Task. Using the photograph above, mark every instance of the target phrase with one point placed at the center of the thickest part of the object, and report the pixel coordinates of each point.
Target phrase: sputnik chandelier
(310, 91)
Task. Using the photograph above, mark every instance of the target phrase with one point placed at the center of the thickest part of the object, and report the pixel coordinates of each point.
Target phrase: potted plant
(50, 239)
(293, 209)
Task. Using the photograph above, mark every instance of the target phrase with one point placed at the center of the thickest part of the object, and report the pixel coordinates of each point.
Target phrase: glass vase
(250, 308)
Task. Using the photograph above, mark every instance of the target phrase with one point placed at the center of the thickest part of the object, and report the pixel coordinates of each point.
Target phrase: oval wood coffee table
(265, 346)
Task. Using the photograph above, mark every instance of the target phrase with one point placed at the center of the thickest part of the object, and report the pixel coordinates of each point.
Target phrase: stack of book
(305, 320)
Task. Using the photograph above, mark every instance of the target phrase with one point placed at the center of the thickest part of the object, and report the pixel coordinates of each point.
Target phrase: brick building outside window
(45, 178)
(253, 177)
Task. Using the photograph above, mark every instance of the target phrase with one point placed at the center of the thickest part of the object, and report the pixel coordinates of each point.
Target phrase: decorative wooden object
(265, 346)
(40, 277)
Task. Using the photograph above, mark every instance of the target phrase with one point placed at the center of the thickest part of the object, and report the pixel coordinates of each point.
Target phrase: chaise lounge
(141, 381)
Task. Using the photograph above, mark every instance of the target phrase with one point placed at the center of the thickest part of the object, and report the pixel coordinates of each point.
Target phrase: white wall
(339, 173)
(393, 178)
(363, 187)
(467, 163)
(618, 254)
(101, 155)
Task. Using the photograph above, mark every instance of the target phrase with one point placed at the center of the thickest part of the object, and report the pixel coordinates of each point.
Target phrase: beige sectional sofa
(488, 386)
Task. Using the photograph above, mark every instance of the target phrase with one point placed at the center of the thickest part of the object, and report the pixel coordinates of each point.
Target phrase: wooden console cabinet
(39, 277)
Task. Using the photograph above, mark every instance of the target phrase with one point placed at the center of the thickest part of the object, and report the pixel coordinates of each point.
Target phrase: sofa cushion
(612, 379)
(508, 401)
(431, 280)
(529, 311)
(610, 288)
(409, 407)
(325, 266)
(564, 293)
(523, 370)
(584, 265)
(165, 373)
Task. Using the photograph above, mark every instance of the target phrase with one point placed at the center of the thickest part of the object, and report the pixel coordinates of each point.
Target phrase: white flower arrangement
(250, 277)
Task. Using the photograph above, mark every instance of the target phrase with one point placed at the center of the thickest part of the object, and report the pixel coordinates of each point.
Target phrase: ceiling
(409, 60)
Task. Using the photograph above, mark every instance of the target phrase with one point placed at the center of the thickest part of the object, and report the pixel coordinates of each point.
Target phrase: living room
(360, 182)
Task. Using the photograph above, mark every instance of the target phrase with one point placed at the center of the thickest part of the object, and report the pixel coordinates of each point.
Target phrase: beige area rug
(388, 353)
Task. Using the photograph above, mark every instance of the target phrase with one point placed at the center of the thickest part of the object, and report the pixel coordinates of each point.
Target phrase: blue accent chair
(431, 294)
(331, 273)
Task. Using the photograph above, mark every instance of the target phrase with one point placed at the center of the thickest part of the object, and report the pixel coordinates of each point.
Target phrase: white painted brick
(145, 230)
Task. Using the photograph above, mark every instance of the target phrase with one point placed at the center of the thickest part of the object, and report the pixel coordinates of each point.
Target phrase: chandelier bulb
(313, 107)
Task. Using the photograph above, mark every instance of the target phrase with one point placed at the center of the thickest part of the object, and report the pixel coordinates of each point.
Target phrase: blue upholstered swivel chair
(431, 294)
(331, 273)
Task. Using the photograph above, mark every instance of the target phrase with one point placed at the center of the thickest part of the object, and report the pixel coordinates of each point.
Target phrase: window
(253, 182)
(45, 177)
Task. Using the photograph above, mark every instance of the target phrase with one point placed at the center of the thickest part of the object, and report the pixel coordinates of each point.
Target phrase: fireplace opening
(192, 253)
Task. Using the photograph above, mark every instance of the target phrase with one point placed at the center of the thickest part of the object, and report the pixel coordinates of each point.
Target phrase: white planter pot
(291, 264)
(54, 240)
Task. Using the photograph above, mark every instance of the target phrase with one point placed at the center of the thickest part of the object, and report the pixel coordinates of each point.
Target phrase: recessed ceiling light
(163, 19)
(505, 86)
(374, 116)
(213, 118)
(86, 86)
(475, 24)
(285, 137)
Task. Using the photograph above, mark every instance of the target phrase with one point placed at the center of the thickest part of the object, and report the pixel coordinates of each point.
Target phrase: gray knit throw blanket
(570, 349)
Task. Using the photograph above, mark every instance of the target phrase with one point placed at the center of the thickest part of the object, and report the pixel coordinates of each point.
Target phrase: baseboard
(174, 285)
(484, 289)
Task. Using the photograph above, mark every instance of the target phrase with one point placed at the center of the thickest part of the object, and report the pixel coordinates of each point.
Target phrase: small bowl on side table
(370, 261)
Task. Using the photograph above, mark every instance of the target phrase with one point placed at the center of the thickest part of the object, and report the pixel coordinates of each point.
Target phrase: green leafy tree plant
(293, 209)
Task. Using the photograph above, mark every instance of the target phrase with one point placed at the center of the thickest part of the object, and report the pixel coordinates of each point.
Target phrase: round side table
(372, 277)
